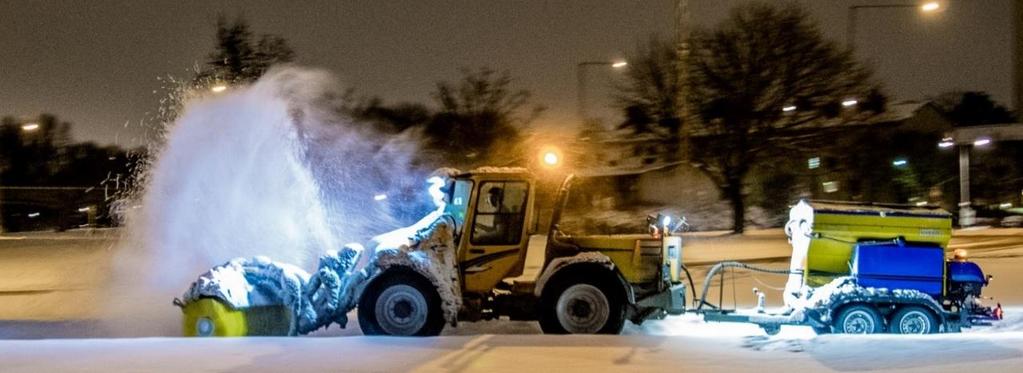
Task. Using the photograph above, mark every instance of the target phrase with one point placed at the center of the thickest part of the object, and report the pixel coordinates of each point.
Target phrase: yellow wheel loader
(461, 263)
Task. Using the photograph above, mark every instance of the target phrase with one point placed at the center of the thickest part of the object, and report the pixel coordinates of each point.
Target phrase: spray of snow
(266, 169)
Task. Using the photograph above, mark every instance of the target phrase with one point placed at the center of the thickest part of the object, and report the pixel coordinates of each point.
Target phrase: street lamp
(29, 127)
(550, 157)
(580, 71)
(218, 88)
(930, 6)
(850, 35)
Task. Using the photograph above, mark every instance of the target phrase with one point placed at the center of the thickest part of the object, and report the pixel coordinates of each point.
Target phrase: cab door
(497, 234)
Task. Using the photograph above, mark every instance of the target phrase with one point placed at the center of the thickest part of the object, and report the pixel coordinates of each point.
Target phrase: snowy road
(522, 353)
(38, 271)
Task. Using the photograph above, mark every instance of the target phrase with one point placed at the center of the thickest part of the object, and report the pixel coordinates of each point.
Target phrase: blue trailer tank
(899, 265)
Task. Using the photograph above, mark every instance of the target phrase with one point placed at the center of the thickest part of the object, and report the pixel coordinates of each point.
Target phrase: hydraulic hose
(692, 285)
(722, 265)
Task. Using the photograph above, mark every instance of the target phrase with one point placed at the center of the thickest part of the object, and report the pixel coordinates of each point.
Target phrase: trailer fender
(881, 299)
(595, 258)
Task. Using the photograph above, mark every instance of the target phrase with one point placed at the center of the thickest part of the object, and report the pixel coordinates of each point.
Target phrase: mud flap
(671, 302)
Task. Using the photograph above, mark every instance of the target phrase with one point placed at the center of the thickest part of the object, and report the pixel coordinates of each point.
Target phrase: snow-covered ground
(46, 303)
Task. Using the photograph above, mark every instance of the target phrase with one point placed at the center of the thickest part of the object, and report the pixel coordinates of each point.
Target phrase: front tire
(401, 304)
(914, 320)
(585, 307)
(859, 319)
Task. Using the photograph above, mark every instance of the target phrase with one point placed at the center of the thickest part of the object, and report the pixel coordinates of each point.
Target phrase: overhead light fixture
(930, 6)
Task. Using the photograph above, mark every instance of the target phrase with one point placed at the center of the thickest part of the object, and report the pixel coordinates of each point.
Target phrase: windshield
(458, 201)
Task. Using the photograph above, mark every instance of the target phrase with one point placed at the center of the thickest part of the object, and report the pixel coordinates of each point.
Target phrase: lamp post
(580, 71)
(966, 139)
(850, 34)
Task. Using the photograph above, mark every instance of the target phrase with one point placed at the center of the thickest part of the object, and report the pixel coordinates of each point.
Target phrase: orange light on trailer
(959, 255)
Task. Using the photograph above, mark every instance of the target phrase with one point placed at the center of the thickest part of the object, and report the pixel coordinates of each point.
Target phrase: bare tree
(238, 58)
(479, 119)
(763, 81)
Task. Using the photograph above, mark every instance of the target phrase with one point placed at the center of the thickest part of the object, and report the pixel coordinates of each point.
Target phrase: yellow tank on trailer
(823, 233)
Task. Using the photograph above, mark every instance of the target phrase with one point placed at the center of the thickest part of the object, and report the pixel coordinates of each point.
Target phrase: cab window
(500, 211)
(458, 202)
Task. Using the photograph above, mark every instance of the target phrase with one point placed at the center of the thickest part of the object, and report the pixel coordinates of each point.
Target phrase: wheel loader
(463, 262)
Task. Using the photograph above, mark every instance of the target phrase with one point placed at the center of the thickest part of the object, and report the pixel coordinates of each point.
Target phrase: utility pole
(1017, 57)
(682, 34)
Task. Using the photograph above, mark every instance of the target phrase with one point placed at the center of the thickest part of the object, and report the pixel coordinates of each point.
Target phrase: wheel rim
(582, 308)
(204, 327)
(401, 310)
(858, 322)
(915, 322)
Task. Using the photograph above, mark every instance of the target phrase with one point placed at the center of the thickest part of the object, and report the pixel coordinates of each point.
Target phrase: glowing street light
(218, 88)
(788, 108)
(982, 141)
(619, 64)
(29, 127)
(946, 143)
(850, 102)
(550, 157)
(930, 6)
(899, 162)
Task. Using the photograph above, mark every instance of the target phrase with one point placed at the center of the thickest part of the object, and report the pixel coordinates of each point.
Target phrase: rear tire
(859, 319)
(401, 304)
(590, 306)
(914, 320)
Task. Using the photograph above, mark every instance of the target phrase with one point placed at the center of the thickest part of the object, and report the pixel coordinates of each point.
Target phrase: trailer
(863, 268)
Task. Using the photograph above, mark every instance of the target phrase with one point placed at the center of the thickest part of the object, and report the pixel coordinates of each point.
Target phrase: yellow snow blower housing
(824, 233)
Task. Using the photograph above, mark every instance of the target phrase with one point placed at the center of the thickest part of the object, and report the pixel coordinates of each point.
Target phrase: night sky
(95, 63)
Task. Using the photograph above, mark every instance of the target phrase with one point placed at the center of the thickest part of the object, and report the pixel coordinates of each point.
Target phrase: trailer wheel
(914, 320)
(859, 319)
(402, 304)
(570, 306)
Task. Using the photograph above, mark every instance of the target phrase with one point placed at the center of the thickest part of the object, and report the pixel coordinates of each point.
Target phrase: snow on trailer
(869, 268)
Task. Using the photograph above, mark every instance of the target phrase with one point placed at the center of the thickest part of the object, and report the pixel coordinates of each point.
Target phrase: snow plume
(272, 168)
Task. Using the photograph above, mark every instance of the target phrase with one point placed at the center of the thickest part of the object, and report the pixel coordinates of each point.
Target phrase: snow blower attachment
(260, 297)
(871, 268)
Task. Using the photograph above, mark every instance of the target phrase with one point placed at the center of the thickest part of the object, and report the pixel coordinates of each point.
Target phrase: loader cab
(492, 209)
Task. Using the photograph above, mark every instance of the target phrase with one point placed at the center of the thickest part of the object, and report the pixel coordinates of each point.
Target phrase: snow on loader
(867, 268)
(459, 263)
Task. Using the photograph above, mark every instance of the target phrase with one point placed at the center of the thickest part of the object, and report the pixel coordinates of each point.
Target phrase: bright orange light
(550, 157)
(960, 254)
(930, 6)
